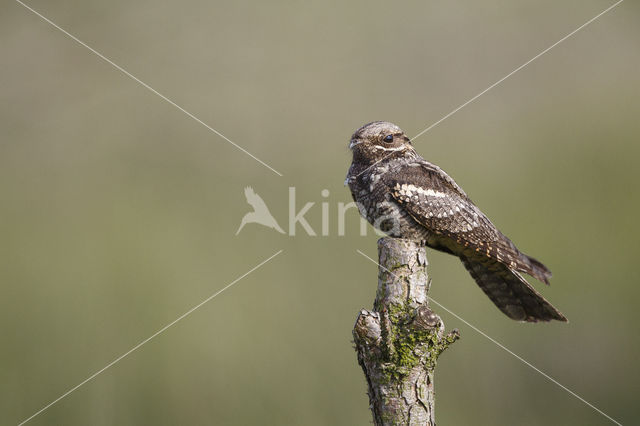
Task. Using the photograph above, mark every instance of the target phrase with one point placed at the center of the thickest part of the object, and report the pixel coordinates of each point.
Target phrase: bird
(405, 196)
(260, 213)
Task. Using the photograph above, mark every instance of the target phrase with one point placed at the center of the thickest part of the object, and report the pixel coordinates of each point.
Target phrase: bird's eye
(388, 138)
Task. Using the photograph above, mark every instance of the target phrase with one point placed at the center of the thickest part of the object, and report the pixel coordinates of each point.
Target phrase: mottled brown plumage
(405, 196)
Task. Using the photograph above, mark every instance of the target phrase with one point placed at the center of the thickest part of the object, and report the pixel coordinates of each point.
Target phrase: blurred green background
(118, 212)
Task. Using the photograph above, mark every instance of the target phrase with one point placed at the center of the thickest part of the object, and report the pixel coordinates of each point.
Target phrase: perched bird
(260, 213)
(405, 196)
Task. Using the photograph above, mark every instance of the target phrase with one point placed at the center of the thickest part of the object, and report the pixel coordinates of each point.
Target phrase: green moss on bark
(412, 346)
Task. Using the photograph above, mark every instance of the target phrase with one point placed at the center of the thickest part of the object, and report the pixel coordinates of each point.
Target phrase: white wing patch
(409, 190)
(440, 205)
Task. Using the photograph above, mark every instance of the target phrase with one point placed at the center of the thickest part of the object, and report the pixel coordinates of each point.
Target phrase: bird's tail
(277, 227)
(509, 291)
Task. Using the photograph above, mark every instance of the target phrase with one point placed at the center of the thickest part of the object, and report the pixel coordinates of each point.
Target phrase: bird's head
(379, 140)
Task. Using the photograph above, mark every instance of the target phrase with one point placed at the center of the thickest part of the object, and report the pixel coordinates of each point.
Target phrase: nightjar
(405, 196)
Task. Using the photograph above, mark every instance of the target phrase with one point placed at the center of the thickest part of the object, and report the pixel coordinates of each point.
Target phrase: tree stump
(399, 342)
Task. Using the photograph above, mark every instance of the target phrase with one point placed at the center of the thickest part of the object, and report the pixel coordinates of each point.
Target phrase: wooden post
(399, 342)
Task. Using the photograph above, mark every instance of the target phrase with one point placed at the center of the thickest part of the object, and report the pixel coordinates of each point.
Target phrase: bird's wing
(435, 201)
(436, 173)
(254, 199)
(249, 193)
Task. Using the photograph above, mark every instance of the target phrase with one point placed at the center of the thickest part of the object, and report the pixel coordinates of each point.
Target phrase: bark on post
(399, 342)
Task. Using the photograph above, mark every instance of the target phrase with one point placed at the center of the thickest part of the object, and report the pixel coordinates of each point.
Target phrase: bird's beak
(353, 143)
